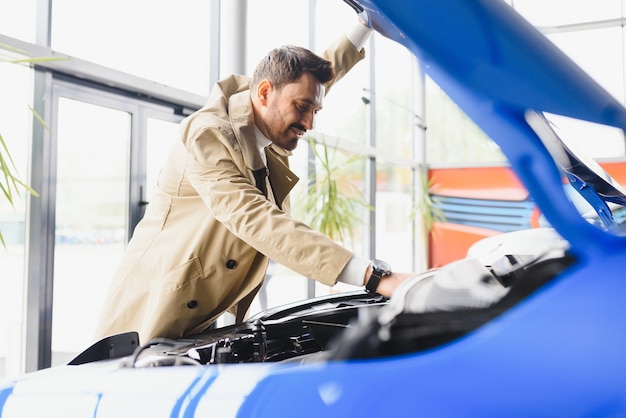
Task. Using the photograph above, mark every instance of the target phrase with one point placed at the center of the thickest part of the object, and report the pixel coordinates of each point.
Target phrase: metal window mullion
(421, 248)
(40, 214)
(310, 170)
(214, 53)
(370, 169)
(137, 162)
(38, 286)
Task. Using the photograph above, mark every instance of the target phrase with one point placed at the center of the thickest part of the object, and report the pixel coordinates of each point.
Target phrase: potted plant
(426, 210)
(332, 201)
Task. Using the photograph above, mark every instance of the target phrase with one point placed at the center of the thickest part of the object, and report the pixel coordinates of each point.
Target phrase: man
(216, 218)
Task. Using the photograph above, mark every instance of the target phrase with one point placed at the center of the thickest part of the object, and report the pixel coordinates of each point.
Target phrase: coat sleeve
(343, 55)
(234, 200)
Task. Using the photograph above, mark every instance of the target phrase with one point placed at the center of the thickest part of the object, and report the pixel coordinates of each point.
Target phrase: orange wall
(449, 242)
(477, 182)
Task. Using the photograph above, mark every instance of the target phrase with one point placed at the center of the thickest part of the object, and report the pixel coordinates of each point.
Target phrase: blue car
(530, 333)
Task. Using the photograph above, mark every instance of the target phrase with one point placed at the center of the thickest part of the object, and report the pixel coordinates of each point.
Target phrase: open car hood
(499, 69)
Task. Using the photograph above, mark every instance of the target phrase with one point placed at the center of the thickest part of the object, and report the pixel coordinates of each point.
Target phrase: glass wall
(15, 119)
(166, 42)
(90, 216)
(345, 114)
(18, 19)
(590, 33)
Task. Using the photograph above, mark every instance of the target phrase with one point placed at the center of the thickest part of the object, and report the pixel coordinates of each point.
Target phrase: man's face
(287, 114)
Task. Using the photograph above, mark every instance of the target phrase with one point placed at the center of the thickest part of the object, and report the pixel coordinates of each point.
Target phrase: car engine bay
(430, 309)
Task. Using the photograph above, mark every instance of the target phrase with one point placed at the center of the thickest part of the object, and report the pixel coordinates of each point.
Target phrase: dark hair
(286, 64)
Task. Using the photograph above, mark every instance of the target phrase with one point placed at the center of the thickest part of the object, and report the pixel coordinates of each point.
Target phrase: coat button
(192, 304)
(231, 264)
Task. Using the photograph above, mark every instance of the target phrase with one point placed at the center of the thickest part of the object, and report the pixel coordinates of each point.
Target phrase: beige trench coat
(203, 245)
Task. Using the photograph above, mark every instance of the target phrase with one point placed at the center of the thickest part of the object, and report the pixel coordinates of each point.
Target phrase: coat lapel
(281, 178)
(242, 121)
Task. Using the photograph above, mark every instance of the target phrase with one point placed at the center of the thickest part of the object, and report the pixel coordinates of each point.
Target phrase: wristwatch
(380, 269)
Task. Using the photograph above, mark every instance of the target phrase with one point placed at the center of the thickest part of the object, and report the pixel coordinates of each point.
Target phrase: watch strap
(380, 269)
(374, 280)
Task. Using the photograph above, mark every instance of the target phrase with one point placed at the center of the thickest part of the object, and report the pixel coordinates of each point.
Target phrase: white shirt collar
(261, 141)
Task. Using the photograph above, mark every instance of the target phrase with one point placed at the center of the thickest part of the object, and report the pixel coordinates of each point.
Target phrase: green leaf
(10, 184)
(427, 207)
(331, 203)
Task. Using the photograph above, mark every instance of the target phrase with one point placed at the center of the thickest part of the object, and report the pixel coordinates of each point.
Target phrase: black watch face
(382, 265)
